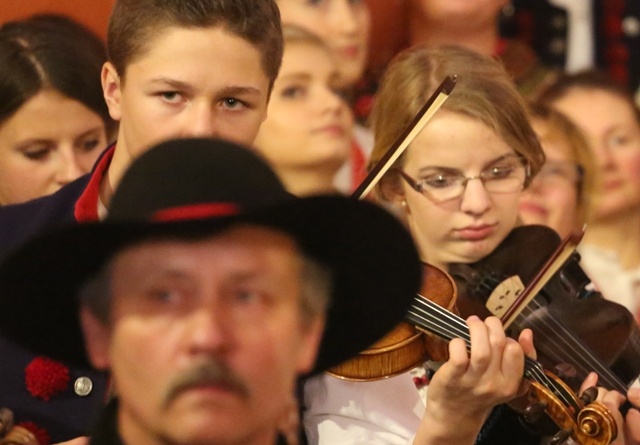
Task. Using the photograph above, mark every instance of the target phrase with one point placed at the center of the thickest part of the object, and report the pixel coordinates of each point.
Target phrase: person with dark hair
(176, 68)
(206, 292)
(53, 119)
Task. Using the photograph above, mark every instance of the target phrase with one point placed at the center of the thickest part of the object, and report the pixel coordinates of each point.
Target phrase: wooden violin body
(406, 346)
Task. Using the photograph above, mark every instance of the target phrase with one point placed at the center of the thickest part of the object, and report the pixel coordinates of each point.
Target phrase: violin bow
(408, 135)
(546, 272)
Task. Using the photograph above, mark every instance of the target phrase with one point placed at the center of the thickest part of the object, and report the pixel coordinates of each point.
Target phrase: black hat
(191, 188)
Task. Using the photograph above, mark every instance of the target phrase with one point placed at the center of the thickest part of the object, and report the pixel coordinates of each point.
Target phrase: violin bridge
(504, 295)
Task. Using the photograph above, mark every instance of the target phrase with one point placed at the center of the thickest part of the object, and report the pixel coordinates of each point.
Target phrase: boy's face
(191, 82)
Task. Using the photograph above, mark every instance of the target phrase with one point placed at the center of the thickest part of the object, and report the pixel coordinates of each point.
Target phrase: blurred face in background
(48, 142)
(205, 338)
(464, 12)
(613, 133)
(552, 197)
(343, 24)
(308, 127)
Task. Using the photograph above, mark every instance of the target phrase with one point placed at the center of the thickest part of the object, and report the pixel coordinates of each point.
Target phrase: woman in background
(344, 26)
(53, 119)
(307, 135)
(561, 194)
(54, 124)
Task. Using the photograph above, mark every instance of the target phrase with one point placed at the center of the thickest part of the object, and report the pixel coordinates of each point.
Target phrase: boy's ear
(96, 339)
(111, 90)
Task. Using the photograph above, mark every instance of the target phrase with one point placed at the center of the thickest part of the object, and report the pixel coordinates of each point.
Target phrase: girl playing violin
(458, 140)
(457, 186)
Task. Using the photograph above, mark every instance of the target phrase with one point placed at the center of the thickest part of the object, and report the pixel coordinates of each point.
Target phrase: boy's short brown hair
(134, 23)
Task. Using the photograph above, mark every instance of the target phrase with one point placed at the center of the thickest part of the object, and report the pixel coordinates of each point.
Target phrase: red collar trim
(86, 209)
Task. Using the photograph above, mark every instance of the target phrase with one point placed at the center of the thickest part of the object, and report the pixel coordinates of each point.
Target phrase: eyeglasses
(505, 175)
(560, 172)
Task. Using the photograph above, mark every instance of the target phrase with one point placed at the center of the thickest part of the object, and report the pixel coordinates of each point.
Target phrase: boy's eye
(233, 103)
(170, 96)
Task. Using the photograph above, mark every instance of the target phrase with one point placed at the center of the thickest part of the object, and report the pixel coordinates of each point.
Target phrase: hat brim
(374, 262)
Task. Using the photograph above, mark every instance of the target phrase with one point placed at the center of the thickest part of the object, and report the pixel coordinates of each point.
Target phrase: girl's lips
(474, 233)
(332, 130)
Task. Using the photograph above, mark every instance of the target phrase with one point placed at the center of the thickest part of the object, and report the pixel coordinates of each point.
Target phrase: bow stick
(408, 135)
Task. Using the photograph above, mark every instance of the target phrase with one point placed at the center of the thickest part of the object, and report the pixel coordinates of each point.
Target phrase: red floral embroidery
(41, 434)
(45, 377)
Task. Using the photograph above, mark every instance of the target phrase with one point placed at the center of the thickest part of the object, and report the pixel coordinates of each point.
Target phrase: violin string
(432, 317)
(535, 371)
(561, 346)
(583, 358)
(441, 321)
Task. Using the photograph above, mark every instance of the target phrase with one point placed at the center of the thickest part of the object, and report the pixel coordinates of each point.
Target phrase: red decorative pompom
(421, 381)
(45, 377)
(41, 434)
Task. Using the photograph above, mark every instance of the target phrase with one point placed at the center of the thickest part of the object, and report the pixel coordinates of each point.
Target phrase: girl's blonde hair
(483, 91)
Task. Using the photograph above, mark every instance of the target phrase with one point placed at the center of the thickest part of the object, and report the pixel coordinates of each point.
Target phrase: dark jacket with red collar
(56, 401)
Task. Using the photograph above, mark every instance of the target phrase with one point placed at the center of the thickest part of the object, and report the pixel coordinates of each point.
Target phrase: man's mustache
(207, 372)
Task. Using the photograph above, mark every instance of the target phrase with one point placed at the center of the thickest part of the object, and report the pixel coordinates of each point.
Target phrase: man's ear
(111, 89)
(96, 338)
(311, 337)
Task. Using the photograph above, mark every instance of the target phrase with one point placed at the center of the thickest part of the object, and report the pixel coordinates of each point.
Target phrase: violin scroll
(593, 424)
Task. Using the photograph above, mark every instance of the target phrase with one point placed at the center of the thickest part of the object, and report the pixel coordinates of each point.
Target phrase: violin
(587, 422)
(576, 330)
